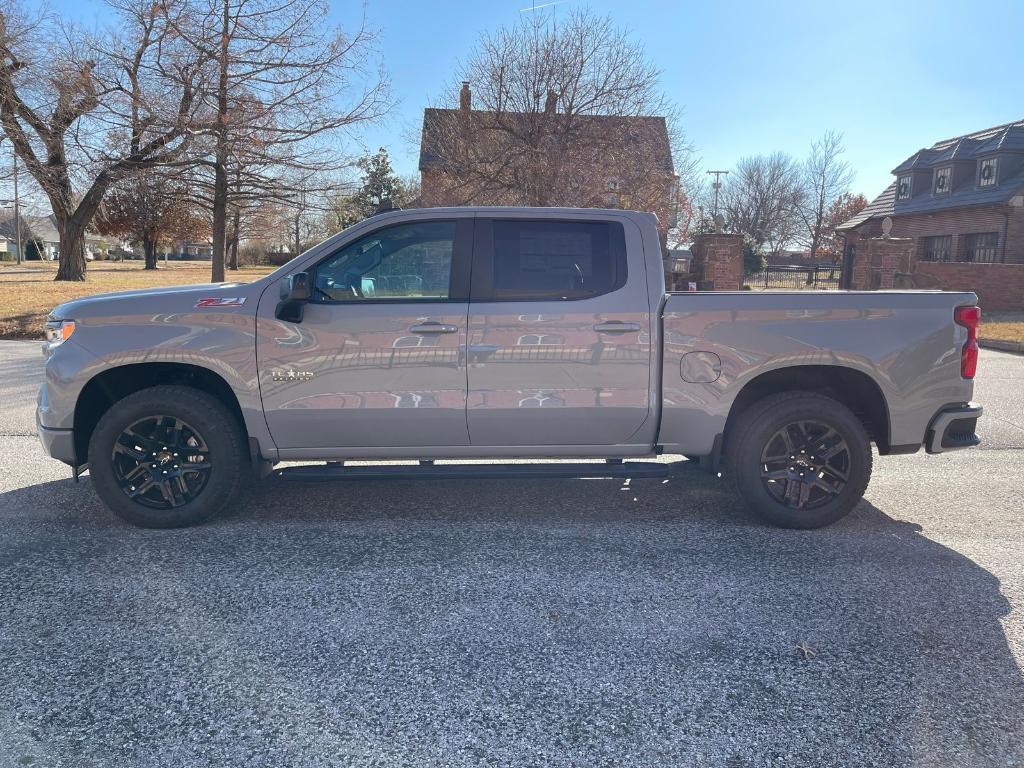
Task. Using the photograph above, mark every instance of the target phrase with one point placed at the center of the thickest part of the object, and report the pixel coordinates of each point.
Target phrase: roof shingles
(1008, 138)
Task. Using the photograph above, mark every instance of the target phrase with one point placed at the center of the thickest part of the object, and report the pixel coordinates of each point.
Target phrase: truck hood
(167, 299)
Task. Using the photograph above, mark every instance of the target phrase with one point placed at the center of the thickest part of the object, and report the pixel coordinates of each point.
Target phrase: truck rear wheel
(167, 457)
(799, 459)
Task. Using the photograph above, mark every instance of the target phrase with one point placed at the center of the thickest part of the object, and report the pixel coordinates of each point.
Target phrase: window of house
(987, 172)
(414, 400)
(542, 400)
(903, 187)
(981, 247)
(540, 339)
(938, 248)
(407, 261)
(942, 179)
(553, 260)
(403, 342)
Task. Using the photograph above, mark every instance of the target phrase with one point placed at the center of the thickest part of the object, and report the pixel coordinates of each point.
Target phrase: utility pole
(17, 212)
(717, 186)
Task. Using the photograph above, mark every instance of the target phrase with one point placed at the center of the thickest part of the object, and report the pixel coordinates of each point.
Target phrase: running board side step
(537, 471)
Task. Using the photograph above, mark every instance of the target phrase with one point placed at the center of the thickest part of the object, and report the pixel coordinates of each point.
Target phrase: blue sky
(751, 77)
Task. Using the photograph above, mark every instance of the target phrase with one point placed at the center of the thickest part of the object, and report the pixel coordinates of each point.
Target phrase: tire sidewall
(763, 425)
(202, 412)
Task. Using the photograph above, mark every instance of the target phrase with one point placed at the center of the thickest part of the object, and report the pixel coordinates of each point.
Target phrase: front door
(378, 359)
(559, 346)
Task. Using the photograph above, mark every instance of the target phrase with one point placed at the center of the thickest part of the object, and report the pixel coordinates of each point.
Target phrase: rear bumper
(58, 443)
(953, 428)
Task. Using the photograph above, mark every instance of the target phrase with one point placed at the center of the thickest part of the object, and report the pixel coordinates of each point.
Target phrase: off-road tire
(751, 433)
(228, 456)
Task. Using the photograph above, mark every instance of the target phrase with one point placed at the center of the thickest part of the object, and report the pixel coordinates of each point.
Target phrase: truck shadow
(554, 603)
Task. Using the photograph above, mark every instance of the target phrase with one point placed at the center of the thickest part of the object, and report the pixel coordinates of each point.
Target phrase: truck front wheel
(799, 459)
(167, 457)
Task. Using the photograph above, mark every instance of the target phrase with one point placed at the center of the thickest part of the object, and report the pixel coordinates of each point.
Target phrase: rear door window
(544, 260)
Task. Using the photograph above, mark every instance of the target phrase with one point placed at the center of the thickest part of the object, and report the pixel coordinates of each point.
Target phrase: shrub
(34, 251)
(753, 257)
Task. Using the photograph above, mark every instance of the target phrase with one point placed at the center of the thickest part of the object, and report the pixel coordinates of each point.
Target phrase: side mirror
(295, 292)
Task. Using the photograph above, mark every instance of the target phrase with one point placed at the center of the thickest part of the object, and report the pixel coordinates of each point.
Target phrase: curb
(1002, 346)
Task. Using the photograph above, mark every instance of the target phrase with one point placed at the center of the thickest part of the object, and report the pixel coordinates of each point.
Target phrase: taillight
(969, 318)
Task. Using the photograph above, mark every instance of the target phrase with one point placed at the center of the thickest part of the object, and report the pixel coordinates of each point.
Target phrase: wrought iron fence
(796, 277)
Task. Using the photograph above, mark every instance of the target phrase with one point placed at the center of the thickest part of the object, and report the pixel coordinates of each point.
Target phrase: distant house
(478, 157)
(201, 250)
(44, 232)
(961, 200)
(790, 256)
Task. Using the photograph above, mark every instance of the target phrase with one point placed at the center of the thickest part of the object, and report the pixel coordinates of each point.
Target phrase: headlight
(57, 332)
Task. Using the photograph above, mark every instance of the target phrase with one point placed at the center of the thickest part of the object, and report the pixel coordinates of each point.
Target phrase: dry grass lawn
(1002, 326)
(29, 292)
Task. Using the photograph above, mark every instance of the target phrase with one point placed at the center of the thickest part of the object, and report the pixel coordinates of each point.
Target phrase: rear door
(378, 359)
(559, 333)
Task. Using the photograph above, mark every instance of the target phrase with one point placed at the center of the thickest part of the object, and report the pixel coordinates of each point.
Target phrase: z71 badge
(209, 302)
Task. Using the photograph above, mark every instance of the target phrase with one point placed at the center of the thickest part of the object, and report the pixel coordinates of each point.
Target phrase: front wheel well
(112, 385)
(854, 389)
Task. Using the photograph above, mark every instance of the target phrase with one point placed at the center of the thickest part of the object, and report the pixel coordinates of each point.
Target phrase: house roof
(1008, 138)
(627, 130)
(880, 206)
(44, 227)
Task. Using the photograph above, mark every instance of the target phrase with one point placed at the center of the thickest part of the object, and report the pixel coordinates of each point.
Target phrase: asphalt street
(539, 623)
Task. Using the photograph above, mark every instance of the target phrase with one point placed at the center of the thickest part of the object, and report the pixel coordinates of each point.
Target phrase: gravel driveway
(541, 623)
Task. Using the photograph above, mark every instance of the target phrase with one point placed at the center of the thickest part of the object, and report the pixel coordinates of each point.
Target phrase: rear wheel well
(106, 388)
(854, 389)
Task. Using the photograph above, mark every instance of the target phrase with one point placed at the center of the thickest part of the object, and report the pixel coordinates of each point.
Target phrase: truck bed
(905, 343)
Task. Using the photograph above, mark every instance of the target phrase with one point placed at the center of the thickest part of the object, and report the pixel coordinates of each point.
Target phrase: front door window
(405, 262)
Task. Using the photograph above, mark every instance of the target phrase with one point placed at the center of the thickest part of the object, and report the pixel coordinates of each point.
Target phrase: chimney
(465, 98)
(550, 103)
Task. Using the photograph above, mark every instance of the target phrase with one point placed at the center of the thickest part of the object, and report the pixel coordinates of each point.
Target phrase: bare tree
(558, 115)
(84, 113)
(826, 177)
(760, 199)
(151, 207)
(285, 84)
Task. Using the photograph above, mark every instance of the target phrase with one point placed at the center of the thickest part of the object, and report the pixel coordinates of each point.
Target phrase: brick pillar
(718, 261)
(877, 261)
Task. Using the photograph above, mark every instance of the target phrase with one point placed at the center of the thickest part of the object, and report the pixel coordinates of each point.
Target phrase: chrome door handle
(616, 326)
(434, 328)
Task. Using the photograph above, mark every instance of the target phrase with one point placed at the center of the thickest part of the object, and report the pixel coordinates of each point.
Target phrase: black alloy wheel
(161, 462)
(805, 465)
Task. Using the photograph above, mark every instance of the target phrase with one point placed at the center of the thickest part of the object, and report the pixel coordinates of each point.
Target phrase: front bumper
(58, 443)
(953, 429)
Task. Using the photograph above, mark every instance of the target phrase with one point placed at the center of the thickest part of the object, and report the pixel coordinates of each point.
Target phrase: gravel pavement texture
(534, 623)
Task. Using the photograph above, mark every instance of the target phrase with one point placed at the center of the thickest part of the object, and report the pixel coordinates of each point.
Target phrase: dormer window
(903, 186)
(942, 177)
(987, 173)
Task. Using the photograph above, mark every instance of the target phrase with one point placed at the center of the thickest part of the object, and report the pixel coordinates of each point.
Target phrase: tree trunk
(220, 176)
(72, 254)
(233, 241)
(149, 248)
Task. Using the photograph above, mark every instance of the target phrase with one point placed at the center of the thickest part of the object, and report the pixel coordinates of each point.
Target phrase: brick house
(960, 203)
(547, 158)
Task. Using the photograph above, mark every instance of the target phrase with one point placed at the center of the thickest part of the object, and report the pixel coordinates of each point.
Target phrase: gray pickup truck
(499, 333)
